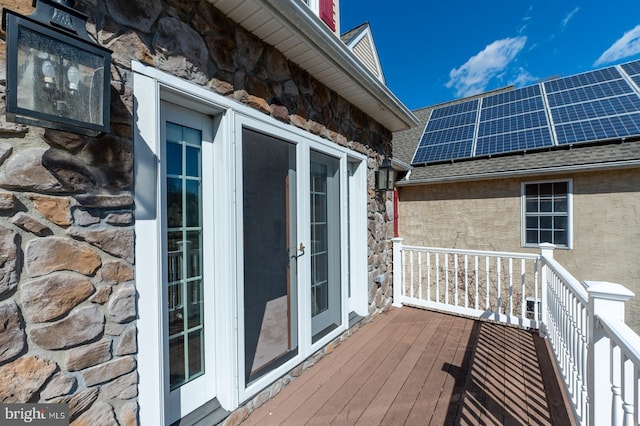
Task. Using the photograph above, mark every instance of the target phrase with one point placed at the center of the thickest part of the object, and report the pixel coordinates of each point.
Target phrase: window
(325, 10)
(546, 208)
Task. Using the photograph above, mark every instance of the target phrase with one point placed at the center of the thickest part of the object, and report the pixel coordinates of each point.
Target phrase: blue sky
(437, 51)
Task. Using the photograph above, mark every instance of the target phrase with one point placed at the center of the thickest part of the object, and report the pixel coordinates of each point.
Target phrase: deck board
(416, 367)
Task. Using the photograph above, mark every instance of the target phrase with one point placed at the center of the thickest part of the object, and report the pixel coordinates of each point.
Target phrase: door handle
(299, 251)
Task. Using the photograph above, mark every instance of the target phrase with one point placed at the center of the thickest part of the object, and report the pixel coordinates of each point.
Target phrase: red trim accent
(396, 232)
(326, 13)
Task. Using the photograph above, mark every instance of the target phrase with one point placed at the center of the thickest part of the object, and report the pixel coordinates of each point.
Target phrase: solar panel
(448, 134)
(581, 79)
(454, 109)
(443, 151)
(513, 121)
(599, 129)
(604, 107)
(592, 106)
(633, 70)
(514, 141)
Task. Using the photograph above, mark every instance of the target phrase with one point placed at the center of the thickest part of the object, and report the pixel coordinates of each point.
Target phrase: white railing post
(546, 252)
(605, 300)
(398, 272)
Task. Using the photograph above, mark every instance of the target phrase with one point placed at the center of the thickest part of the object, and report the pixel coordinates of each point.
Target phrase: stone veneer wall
(67, 293)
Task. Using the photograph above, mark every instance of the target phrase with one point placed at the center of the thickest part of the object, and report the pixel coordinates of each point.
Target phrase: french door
(270, 252)
(291, 291)
(324, 221)
(187, 270)
(251, 247)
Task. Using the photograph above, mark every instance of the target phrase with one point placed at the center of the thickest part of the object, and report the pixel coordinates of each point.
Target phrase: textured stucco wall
(486, 215)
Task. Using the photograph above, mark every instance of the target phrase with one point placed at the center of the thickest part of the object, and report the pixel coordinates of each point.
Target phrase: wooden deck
(416, 367)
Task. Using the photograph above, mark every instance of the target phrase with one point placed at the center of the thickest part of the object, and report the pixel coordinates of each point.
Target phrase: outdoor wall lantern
(386, 177)
(56, 76)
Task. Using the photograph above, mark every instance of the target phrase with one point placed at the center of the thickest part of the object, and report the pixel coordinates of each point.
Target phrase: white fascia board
(400, 165)
(613, 165)
(379, 103)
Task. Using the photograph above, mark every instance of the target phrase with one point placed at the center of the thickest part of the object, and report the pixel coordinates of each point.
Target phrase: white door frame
(150, 86)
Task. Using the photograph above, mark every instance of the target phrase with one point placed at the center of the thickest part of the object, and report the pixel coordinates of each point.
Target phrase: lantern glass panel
(382, 179)
(57, 79)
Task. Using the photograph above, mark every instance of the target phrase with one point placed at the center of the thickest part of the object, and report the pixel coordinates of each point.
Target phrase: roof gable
(360, 41)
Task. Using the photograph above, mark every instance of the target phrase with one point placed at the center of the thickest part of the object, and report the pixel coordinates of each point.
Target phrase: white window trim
(523, 212)
(358, 205)
(314, 5)
(150, 87)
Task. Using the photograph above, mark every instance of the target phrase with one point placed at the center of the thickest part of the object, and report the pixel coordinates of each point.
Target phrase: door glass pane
(184, 286)
(270, 246)
(325, 244)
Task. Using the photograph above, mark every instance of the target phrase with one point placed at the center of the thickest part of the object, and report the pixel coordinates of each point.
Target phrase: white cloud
(473, 76)
(525, 20)
(567, 18)
(625, 46)
(523, 78)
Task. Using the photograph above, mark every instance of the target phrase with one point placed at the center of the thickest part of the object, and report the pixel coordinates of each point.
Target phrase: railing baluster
(455, 278)
(404, 272)
(536, 314)
(626, 367)
(636, 395)
(565, 335)
(499, 280)
(523, 294)
(428, 276)
(488, 285)
(616, 402)
(476, 278)
(437, 277)
(411, 269)
(466, 281)
(510, 287)
(573, 348)
(584, 363)
(420, 275)
(446, 278)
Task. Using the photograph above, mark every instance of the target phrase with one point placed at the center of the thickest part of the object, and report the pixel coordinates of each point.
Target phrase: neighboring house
(227, 229)
(554, 162)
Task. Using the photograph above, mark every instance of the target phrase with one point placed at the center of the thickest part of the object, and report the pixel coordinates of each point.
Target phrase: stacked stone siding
(66, 277)
(67, 290)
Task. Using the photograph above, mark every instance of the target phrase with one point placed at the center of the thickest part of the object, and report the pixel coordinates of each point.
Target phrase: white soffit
(292, 28)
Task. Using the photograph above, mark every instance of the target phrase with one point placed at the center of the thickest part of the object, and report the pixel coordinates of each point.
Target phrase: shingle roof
(556, 159)
(405, 142)
(618, 154)
(349, 35)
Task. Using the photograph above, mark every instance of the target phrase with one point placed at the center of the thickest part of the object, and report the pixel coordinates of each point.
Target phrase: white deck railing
(597, 355)
(493, 285)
